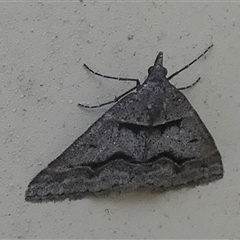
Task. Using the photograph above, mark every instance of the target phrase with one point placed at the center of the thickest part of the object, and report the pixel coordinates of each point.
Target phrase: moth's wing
(97, 161)
(179, 136)
(152, 138)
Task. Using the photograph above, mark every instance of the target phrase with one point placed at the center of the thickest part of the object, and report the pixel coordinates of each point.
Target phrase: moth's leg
(106, 103)
(189, 86)
(187, 66)
(116, 78)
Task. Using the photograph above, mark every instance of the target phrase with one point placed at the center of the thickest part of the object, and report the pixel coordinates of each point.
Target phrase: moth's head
(158, 68)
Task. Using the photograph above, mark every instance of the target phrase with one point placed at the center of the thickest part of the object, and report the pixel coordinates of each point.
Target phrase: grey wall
(42, 49)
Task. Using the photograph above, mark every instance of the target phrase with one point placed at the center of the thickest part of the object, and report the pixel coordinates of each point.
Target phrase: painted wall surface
(43, 46)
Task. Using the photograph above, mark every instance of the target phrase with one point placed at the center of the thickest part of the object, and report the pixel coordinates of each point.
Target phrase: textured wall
(42, 49)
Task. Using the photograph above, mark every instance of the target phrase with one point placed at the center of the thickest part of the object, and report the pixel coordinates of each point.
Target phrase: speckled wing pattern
(151, 138)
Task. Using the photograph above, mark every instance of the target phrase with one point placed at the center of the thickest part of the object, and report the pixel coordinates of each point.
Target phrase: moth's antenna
(187, 66)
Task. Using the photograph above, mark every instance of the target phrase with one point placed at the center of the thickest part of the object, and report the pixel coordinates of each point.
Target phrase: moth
(151, 138)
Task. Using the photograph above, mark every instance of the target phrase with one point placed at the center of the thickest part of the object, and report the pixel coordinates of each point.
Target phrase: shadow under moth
(151, 138)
